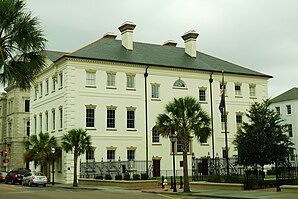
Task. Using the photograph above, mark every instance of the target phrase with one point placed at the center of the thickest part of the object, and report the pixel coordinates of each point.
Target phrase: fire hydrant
(165, 185)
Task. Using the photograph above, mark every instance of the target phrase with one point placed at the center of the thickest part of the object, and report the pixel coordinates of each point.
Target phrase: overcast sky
(258, 34)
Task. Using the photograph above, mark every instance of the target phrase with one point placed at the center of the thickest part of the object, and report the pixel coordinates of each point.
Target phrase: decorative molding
(113, 148)
(111, 107)
(90, 106)
(133, 148)
(131, 108)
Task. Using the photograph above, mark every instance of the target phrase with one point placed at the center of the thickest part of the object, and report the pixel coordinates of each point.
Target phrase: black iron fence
(93, 169)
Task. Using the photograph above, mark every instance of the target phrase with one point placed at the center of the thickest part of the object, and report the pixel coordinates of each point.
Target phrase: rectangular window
(47, 121)
(224, 153)
(155, 135)
(47, 87)
(28, 128)
(53, 84)
(61, 80)
(252, 90)
(238, 120)
(40, 90)
(40, 122)
(155, 91)
(90, 117)
(35, 125)
(35, 93)
(277, 109)
(222, 122)
(90, 155)
(111, 79)
(53, 120)
(111, 155)
(237, 89)
(90, 78)
(27, 105)
(130, 81)
(110, 118)
(61, 117)
(130, 119)
(180, 146)
(289, 109)
(130, 154)
(202, 95)
(290, 130)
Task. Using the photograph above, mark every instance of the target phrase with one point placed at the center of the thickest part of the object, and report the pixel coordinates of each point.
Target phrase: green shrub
(98, 177)
(126, 176)
(144, 176)
(118, 177)
(108, 177)
(233, 178)
(136, 176)
(215, 178)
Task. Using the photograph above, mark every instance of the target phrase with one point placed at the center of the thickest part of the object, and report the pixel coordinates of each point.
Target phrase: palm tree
(76, 141)
(39, 150)
(185, 117)
(22, 44)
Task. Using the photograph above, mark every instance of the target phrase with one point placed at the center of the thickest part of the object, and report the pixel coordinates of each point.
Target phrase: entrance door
(156, 168)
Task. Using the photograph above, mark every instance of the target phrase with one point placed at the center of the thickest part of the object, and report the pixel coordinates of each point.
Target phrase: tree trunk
(75, 178)
(185, 172)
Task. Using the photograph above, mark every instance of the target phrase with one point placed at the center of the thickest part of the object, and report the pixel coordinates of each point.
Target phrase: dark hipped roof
(157, 55)
(291, 94)
(54, 55)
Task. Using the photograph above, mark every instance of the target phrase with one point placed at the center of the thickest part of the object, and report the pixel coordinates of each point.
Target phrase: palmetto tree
(76, 141)
(185, 117)
(22, 44)
(39, 149)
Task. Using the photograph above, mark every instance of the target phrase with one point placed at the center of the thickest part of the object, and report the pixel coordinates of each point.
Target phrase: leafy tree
(39, 150)
(185, 117)
(76, 141)
(22, 44)
(262, 140)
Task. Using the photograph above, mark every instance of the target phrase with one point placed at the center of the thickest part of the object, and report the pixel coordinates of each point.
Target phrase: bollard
(171, 183)
(181, 183)
(162, 181)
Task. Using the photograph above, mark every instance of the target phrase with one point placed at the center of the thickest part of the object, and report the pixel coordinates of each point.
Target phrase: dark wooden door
(156, 168)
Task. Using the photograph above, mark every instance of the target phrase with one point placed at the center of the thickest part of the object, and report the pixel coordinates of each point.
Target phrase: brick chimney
(190, 39)
(126, 30)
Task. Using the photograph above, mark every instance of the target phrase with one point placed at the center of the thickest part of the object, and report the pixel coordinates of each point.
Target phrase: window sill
(155, 99)
(132, 129)
(53, 131)
(130, 89)
(90, 128)
(204, 144)
(60, 129)
(60, 88)
(53, 91)
(46, 94)
(111, 129)
(111, 87)
(203, 102)
(180, 88)
(156, 144)
(224, 131)
(238, 96)
(90, 86)
(252, 97)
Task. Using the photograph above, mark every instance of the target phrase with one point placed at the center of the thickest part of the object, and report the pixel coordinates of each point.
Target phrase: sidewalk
(213, 193)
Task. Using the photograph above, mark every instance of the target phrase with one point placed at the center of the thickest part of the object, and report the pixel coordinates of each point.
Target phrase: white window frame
(90, 78)
(155, 91)
(111, 80)
(130, 81)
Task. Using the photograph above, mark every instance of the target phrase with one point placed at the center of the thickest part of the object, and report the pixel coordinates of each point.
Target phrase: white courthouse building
(105, 86)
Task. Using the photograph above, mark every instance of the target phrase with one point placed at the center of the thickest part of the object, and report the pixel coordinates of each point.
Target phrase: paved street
(20, 192)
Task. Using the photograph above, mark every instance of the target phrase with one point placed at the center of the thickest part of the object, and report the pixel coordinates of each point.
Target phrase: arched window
(179, 83)
(155, 135)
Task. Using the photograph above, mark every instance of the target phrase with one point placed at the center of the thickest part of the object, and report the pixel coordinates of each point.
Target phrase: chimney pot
(171, 43)
(126, 30)
(190, 39)
(110, 35)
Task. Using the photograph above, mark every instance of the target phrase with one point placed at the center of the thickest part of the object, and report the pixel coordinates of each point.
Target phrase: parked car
(34, 178)
(16, 175)
(2, 176)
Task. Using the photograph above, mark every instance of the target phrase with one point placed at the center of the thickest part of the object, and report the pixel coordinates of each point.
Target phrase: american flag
(222, 97)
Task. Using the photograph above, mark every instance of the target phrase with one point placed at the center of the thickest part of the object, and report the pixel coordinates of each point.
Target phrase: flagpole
(225, 122)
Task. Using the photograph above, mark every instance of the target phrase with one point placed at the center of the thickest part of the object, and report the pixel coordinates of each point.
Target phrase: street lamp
(53, 171)
(173, 139)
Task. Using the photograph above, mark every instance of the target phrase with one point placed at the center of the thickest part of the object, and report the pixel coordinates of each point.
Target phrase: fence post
(181, 183)
(162, 181)
(171, 183)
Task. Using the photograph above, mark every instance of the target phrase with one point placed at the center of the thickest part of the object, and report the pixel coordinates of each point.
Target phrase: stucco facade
(107, 98)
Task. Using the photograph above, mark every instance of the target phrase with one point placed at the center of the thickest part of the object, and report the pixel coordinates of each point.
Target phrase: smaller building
(287, 105)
